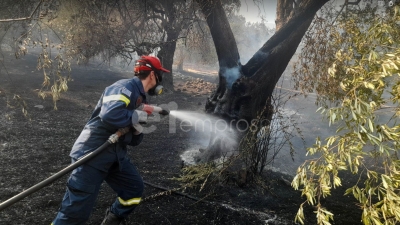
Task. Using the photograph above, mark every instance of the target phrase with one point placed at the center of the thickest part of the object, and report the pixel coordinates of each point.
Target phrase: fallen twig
(168, 190)
(261, 215)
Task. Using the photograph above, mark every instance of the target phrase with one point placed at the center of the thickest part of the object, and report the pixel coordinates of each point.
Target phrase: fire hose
(111, 140)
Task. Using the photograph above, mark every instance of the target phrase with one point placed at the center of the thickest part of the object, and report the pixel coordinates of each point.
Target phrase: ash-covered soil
(35, 147)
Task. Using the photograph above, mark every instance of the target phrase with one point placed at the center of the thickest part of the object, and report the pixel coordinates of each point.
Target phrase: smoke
(231, 75)
(211, 138)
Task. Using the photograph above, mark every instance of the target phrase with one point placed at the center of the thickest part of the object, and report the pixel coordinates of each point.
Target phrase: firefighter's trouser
(83, 187)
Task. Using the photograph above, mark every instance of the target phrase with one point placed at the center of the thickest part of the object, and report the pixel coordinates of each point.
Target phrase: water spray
(211, 132)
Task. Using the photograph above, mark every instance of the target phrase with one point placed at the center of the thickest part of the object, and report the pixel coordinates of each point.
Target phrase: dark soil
(34, 148)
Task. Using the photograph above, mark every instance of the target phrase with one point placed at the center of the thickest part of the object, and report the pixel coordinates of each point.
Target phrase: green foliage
(83, 30)
(366, 69)
(36, 32)
(55, 65)
(53, 70)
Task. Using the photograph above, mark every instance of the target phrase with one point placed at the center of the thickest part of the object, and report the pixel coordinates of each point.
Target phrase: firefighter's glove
(138, 129)
(131, 138)
(164, 112)
(139, 116)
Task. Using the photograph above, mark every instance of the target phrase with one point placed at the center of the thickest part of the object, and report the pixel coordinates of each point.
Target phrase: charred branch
(304, 16)
(254, 87)
(283, 12)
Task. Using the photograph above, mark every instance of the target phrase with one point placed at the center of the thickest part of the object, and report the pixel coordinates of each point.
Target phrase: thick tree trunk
(166, 56)
(268, 64)
(228, 57)
(247, 95)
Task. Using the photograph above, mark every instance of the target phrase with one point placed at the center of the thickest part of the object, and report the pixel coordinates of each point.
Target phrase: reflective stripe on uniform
(117, 98)
(129, 202)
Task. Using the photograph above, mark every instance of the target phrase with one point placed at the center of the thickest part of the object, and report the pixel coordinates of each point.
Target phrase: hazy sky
(252, 12)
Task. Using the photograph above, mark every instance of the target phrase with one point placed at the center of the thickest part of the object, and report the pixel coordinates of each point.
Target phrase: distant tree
(127, 28)
(85, 29)
(176, 16)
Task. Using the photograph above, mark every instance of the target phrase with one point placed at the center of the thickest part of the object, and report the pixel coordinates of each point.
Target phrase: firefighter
(115, 109)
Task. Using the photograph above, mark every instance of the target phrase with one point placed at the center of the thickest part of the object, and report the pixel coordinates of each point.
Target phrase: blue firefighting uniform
(115, 109)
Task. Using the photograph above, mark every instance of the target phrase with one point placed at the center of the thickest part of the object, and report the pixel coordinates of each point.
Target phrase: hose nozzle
(164, 112)
(150, 109)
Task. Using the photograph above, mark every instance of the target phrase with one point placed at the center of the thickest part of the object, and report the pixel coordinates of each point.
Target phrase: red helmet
(147, 63)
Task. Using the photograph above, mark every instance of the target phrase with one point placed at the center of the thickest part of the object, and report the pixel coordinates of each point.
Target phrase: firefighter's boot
(112, 219)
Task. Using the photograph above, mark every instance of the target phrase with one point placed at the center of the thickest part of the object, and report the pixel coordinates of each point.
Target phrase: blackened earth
(35, 147)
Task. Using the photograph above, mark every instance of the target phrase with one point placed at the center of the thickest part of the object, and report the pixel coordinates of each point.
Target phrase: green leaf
(369, 85)
(337, 181)
(385, 181)
(348, 191)
(354, 115)
(342, 86)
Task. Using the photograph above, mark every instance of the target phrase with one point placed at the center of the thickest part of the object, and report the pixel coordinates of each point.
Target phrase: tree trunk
(228, 57)
(268, 64)
(247, 95)
(166, 56)
(176, 17)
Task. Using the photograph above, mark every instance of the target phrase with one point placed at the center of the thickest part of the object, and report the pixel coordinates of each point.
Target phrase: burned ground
(35, 147)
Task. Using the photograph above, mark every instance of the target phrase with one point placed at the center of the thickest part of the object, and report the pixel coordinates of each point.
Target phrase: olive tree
(359, 95)
(126, 29)
(245, 91)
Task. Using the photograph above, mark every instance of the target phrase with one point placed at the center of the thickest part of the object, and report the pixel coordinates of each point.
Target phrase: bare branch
(155, 9)
(344, 5)
(352, 3)
(23, 18)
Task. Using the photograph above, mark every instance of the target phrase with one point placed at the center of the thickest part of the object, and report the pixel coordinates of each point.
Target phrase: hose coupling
(113, 139)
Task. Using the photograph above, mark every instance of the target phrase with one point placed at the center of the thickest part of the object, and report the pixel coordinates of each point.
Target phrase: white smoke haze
(259, 10)
(231, 75)
(256, 36)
